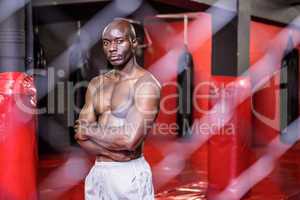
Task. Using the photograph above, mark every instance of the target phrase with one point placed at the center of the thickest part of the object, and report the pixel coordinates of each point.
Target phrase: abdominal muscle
(109, 120)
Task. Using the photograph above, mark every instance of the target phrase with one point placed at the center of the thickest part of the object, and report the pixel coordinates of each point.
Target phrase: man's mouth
(115, 58)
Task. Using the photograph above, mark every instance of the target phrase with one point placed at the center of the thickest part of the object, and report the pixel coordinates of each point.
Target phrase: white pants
(130, 180)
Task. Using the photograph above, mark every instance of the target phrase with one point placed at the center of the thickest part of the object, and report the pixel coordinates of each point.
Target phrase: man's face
(117, 44)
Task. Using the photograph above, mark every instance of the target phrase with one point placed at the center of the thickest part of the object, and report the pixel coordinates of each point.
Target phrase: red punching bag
(18, 150)
(229, 148)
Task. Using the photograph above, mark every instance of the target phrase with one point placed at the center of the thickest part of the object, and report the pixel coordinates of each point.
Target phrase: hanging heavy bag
(185, 85)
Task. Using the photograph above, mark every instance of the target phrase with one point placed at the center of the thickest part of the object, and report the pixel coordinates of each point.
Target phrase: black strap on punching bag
(12, 42)
(29, 42)
(185, 98)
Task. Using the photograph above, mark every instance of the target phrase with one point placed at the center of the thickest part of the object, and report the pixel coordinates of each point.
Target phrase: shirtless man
(120, 107)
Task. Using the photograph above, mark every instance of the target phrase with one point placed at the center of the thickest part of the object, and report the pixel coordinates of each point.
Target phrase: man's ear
(134, 43)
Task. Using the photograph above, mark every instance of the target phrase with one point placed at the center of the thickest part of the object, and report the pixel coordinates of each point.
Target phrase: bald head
(119, 42)
(122, 25)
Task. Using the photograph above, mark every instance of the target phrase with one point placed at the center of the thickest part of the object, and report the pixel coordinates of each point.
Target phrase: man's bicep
(147, 98)
(139, 123)
(142, 115)
(87, 112)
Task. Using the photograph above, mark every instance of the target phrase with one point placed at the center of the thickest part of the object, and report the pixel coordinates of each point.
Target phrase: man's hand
(81, 129)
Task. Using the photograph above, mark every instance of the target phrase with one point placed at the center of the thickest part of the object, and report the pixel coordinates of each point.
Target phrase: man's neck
(128, 70)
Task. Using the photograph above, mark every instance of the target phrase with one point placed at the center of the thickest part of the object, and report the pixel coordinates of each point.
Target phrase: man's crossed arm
(139, 119)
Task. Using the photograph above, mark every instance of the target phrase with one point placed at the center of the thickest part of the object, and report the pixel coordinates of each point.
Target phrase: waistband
(116, 163)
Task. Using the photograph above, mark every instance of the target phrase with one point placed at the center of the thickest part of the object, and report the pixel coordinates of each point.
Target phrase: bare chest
(115, 97)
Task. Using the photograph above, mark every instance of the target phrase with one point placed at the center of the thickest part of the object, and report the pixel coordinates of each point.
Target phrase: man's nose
(113, 46)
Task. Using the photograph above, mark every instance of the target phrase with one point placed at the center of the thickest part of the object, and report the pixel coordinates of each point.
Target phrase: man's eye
(119, 41)
(105, 43)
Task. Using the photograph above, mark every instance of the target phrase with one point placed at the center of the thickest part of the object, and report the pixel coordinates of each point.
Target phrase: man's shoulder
(148, 84)
(149, 79)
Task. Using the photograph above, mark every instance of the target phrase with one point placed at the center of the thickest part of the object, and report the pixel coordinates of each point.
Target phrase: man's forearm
(113, 138)
(95, 149)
